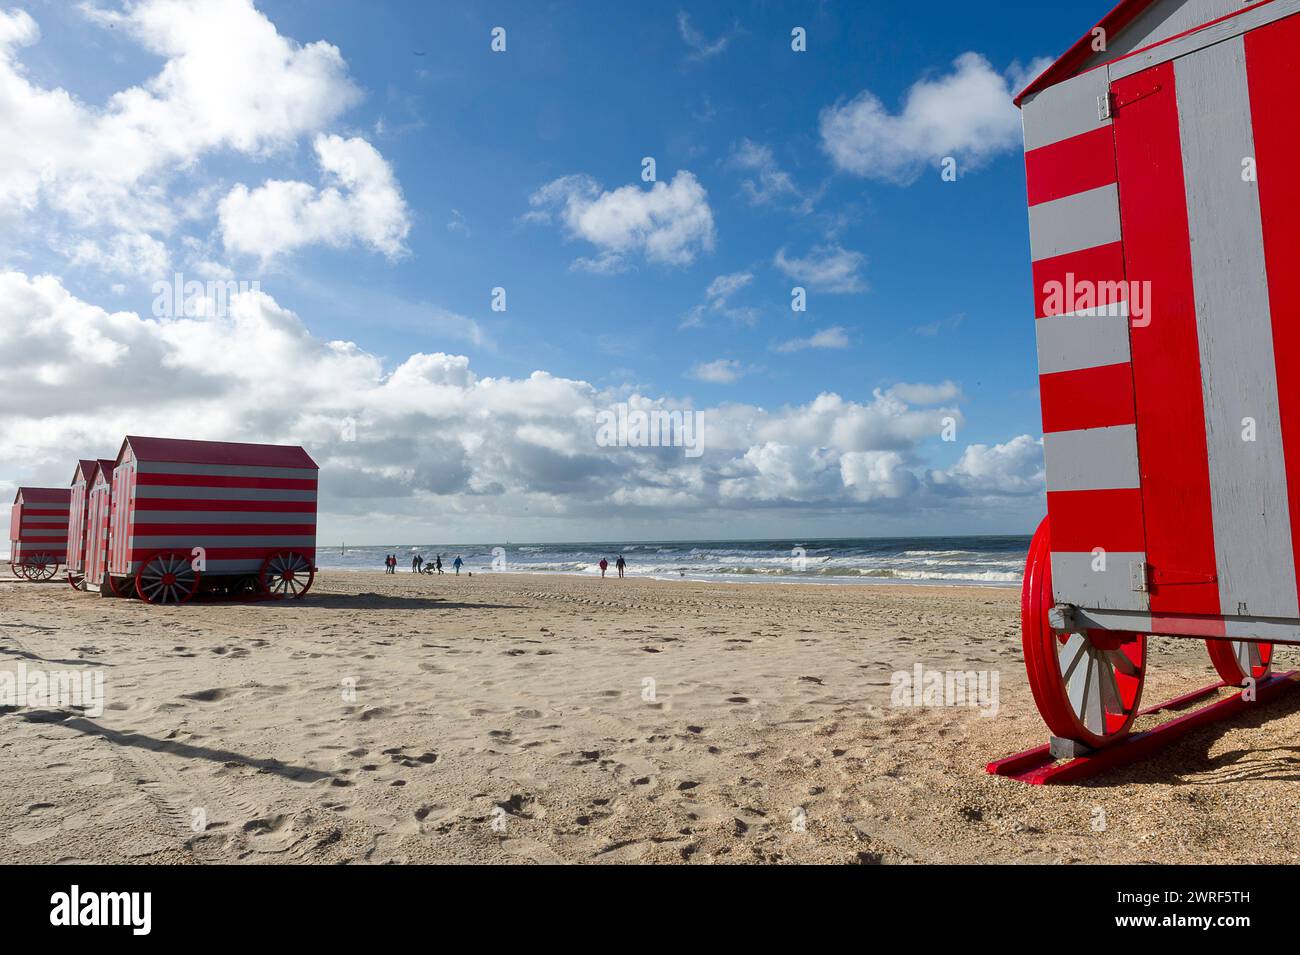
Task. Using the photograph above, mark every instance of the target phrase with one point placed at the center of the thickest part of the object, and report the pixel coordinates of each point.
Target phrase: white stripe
(1093, 459)
(223, 517)
(1248, 481)
(1088, 580)
(224, 493)
(1063, 111)
(225, 470)
(1084, 220)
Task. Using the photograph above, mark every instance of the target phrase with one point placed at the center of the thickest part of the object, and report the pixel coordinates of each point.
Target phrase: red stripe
(1073, 165)
(45, 511)
(1270, 58)
(1087, 398)
(59, 539)
(200, 504)
(1165, 353)
(222, 530)
(1085, 520)
(1077, 274)
(215, 480)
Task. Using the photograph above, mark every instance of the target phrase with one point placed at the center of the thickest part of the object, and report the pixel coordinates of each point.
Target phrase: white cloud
(926, 394)
(717, 300)
(701, 48)
(669, 223)
(1015, 467)
(932, 329)
(833, 337)
(768, 181)
(126, 253)
(721, 371)
(428, 425)
(872, 475)
(229, 80)
(360, 203)
(827, 268)
(966, 114)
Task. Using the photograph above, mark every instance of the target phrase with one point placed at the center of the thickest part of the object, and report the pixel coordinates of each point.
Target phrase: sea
(989, 561)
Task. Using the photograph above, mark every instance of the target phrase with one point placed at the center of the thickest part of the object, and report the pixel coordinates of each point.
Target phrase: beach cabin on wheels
(210, 515)
(1163, 218)
(82, 477)
(38, 532)
(95, 555)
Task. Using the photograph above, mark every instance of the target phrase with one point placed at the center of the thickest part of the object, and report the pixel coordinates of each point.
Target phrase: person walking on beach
(415, 563)
(620, 564)
(437, 563)
(604, 566)
(456, 565)
(388, 563)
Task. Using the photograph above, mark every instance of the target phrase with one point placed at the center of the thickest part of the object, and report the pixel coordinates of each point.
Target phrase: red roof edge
(44, 495)
(86, 468)
(185, 451)
(1124, 13)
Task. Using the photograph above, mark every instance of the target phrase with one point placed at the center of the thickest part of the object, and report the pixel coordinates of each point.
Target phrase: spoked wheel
(76, 581)
(167, 578)
(286, 574)
(1238, 659)
(1087, 685)
(117, 586)
(40, 567)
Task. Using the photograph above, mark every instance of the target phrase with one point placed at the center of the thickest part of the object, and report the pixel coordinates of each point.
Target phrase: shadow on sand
(298, 774)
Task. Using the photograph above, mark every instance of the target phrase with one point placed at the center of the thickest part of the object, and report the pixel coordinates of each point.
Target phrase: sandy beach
(514, 718)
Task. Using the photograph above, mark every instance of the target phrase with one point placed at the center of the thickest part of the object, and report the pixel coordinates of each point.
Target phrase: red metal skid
(1037, 767)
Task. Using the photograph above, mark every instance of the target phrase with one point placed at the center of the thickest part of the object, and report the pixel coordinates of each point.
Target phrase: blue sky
(516, 169)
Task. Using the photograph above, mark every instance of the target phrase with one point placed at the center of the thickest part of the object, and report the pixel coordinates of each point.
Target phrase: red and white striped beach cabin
(38, 531)
(82, 477)
(98, 499)
(1163, 211)
(211, 515)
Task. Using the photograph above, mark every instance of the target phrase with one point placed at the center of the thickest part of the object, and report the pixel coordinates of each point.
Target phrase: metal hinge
(1103, 106)
(1138, 571)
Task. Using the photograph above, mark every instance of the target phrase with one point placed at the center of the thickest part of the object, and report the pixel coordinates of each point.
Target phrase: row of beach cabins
(170, 518)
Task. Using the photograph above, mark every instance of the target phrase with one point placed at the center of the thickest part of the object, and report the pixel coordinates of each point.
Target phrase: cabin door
(1205, 147)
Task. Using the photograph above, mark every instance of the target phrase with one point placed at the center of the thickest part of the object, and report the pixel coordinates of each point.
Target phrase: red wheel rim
(1087, 685)
(286, 574)
(167, 578)
(1237, 659)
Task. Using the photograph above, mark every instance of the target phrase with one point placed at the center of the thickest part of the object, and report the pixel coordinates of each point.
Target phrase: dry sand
(502, 718)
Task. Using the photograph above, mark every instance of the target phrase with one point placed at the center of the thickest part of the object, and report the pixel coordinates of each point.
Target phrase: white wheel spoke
(1074, 650)
(1109, 688)
(1120, 661)
(1094, 713)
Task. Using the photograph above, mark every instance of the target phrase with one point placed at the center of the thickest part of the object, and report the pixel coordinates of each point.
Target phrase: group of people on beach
(420, 566)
